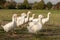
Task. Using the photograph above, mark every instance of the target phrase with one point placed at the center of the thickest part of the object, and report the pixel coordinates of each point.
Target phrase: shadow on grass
(23, 33)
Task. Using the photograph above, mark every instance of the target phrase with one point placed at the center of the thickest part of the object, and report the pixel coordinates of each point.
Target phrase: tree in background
(18, 5)
(6, 5)
(35, 5)
(2, 2)
(41, 4)
(10, 4)
(25, 5)
(49, 5)
(58, 5)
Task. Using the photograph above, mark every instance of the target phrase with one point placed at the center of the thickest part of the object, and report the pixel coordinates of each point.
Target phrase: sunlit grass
(50, 31)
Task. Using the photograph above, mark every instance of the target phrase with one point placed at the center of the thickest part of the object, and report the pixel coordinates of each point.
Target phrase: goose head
(49, 13)
(29, 12)
(23, 14)
(33, 15)
(40, 16)
(14, 17)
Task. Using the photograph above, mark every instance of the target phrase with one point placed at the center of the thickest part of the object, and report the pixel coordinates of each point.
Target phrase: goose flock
(34, 24)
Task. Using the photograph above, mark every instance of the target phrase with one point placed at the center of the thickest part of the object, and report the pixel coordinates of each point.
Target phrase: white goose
(34, 27)
(11, 25)
(21, 19)
(31, 18)
(44, 20)
(27, 18)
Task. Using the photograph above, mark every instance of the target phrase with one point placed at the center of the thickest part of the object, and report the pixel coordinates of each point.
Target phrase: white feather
(27, 18)
(34, 27)
(11, 25)
(44, 20)
(31, 18)
(21, 19)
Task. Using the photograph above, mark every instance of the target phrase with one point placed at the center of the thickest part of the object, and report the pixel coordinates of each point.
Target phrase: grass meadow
(49, 31)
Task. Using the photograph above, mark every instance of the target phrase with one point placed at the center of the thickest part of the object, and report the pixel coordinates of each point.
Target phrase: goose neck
(40, 20)
(14, 20)
(33, 16)
(48, 16)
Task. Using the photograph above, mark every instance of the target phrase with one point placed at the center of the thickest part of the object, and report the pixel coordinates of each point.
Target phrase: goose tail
(1, 25)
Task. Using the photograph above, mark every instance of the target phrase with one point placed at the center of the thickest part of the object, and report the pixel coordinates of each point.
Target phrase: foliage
(35, 5)
(19, 6)
(40, 5)
(2, 2)
(25, 5)
(58, 5)
(49, 5)
(10, 5)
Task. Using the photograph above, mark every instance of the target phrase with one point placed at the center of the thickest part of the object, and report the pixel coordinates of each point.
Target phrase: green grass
(50, 31)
